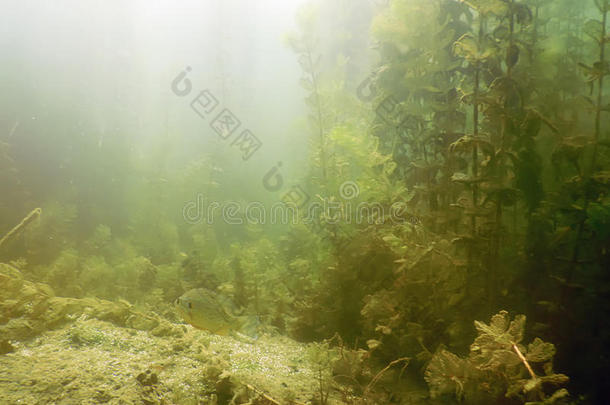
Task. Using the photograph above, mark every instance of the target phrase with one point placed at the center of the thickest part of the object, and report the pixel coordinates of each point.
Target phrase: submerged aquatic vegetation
(499, 365)
(471, 176)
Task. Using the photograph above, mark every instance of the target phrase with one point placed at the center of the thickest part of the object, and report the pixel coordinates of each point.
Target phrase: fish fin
(249, 325)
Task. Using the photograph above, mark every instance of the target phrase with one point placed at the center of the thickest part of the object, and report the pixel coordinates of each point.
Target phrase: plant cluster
(491, 124)
(499, 366)
(487, 119)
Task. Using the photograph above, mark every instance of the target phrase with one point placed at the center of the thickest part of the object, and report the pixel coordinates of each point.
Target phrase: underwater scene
(305, 202)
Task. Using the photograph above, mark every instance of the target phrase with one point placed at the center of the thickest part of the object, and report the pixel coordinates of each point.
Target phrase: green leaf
(467, 47)
(602, 5)
(594, 29)
(532, 384)
(559, 394)
(555, 379)
(494, 345)
(539, 351)
(523, 13)
(512, 55)
(501, 32)
(467, 142)
(447, 374)
(598, 220)
(602, 177)
(306, 84)
(392, 239)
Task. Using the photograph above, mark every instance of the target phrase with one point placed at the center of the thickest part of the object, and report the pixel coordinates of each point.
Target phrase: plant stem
(524, 360)
(587, 173)
(314, 82)
(24, 222)
(379, 374)
(600, 90)
(475, 130)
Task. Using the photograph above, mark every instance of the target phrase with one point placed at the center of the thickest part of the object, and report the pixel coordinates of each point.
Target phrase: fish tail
(249, 325)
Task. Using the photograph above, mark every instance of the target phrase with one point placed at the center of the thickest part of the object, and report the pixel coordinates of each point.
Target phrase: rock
(212, 372)
(166, 329)
(224, 387)
(147, 378)
(6, 347)
(242, 396)
(139, 322)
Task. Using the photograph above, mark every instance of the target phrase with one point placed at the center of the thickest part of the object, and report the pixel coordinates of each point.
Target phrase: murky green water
(410, 196)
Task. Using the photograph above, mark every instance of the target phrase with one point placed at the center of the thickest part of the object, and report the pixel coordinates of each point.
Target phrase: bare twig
(267, 397)
(380, 374)
(15, 126)
(524, 360)
(29, 218)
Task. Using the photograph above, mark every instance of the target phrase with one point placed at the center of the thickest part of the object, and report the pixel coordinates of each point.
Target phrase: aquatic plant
(499, 365)
(33, 215)
(304, 44)
(322, 357)
(46, 238)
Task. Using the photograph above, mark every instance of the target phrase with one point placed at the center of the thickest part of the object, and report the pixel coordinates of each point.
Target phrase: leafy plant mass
(498, 364)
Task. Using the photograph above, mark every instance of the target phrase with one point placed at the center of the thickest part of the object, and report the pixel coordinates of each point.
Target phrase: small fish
(207, 310)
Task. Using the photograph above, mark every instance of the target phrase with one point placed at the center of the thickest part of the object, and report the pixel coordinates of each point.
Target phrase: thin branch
(267, 397)
(29, 218)
(524, 360)
(380, 374)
